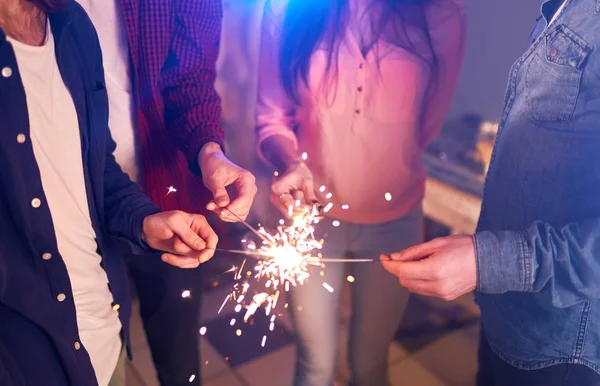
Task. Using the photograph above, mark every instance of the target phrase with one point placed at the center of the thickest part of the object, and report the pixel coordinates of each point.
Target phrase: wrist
(293, 164)
(143, 233)
(208, 150)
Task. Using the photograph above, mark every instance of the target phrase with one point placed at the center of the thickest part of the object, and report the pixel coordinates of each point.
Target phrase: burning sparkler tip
(171, 189)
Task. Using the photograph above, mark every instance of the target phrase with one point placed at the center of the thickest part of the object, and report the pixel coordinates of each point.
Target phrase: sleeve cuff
(504, 262)
(138, 245)
(194, 149)
(264, 134)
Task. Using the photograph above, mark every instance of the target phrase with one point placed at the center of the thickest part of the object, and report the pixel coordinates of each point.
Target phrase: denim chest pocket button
(553, 75)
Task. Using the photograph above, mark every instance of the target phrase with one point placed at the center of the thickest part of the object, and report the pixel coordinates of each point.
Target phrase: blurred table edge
(452, 195)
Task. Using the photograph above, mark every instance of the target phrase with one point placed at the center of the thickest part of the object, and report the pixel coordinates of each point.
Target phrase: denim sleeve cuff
(504, 262)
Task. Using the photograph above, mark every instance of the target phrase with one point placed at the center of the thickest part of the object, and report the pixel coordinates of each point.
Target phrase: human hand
(187, 239)
(218, 173)
(296, 184)
(445, 268)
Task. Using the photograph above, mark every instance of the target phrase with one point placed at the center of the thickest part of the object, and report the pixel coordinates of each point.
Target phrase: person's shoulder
(82, 33)
(79, 18)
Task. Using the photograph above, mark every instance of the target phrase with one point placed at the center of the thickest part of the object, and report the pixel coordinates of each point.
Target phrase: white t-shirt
(55, 137)
(108, 21)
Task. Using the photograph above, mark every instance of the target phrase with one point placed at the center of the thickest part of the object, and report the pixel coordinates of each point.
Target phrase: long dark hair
(309, 23)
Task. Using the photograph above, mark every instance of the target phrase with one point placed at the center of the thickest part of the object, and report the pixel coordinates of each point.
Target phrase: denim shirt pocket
(553, 76)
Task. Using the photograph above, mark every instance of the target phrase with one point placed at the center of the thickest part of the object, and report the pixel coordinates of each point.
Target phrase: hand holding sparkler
(187, 239)
(296, 184)
(444, 267)
(218, 173)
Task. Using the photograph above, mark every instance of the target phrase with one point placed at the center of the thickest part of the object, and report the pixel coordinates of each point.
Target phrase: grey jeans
(118, 378)
(378, 302)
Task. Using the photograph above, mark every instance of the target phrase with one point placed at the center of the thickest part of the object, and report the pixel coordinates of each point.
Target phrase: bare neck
(23, 21)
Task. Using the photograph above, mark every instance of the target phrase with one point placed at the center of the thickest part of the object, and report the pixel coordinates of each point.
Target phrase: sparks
(328, 287)
(282, 261)
(192, 378)
(186, 294)
(203, 331)
(170, 190)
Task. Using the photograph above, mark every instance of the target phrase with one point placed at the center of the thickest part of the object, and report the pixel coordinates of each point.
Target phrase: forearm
(187, 82)
(126, 206)
(559, 262)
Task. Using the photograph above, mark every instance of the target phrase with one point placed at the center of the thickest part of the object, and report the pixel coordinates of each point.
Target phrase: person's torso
(360, 123)
(54, 133)
(146, 31)
(56, 257)
(109, 24)
(546, 167)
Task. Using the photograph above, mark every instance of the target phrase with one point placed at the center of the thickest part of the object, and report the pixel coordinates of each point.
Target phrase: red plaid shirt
(174, 46)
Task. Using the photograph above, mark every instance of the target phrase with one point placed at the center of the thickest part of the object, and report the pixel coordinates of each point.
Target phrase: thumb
(182, 229)
(418, 252)
(308, 189)
(221, 198)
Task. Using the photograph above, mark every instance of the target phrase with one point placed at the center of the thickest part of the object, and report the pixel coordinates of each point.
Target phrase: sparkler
(170, 190)
(282, 262)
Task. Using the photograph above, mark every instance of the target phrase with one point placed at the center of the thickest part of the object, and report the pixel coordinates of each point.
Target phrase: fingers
(279, 203)
(309, 192)
(412, 281)
(180, 261)
(185, 234)
(183, 255)
(424, 269)
(419, 251)
(246, 191)
(420, 287)
(220, 199)
(201, 227)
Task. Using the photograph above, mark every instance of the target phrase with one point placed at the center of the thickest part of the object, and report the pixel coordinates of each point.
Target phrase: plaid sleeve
(191, 104)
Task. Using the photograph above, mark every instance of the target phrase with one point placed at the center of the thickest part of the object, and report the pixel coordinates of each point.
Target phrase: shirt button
(61, 297)
(357, 111)
(77, 346)
(359, 89)
(36, 203)
(554, 52)
(7, 72)
(361, 66)
(47, 256)
(21, 138)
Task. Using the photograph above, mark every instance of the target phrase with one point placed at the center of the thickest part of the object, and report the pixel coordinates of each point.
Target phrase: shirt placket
(359, 99)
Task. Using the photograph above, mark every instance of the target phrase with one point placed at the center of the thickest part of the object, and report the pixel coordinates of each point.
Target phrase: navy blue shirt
(39, 342)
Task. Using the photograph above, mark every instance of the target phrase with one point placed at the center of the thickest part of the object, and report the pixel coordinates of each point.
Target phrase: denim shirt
(39, 336)
(538, 239)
